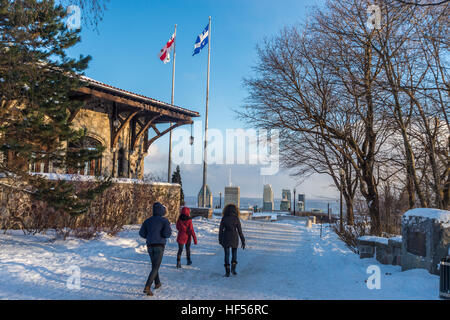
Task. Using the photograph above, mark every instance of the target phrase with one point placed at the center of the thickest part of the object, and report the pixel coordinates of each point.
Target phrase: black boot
(227, 270)
(188, 258)
(178, 264)
(233, 267)
(148, 291)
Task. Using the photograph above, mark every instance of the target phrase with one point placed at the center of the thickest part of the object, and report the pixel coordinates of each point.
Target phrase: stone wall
(97, 125)
(385, 250)
(201, 212)
(142, 196)
(425, 241)
(123, 203)
(95, 117)
(427, 238)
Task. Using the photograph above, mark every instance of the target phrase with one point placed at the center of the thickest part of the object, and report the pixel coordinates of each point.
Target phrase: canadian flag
(164, 54)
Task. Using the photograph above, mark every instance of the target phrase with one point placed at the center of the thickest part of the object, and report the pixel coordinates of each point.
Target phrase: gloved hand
(243, 245)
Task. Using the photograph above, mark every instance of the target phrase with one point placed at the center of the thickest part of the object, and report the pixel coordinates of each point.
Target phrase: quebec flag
(202, 40)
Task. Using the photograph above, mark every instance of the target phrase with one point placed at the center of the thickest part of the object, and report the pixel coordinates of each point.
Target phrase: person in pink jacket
(185, 235)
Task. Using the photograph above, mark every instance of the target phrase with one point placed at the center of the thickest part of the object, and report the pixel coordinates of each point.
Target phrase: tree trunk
(349, 209)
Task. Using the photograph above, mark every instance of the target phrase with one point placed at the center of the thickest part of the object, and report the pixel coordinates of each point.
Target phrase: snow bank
(442, 216)
(396, 239)
(374, 239)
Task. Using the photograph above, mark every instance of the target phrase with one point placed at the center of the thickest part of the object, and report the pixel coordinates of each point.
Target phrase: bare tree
(298, 89)
(422, 3)
(414, 91)
(371, 102)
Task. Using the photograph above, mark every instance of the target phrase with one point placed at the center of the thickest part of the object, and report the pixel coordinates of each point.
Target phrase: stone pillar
(426, 238)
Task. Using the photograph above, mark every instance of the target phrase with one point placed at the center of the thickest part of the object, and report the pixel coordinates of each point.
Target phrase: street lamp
(191, 138)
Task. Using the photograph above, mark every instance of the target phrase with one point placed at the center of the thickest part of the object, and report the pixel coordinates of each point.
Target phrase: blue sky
(125, 54)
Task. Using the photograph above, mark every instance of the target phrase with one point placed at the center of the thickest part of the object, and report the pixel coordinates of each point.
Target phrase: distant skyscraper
(268, 198)
(232, 195)
(301, 202)
(285, 204)
(209, 198)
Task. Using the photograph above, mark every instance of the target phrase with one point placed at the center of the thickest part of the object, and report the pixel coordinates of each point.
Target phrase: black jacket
(230, 228)
(156, 228)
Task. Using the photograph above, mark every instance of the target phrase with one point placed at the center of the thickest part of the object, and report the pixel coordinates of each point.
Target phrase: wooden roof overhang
(140, 111)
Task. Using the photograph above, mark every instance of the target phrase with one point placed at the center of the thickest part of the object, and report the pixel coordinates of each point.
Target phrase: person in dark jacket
(155, 230)
(185, 235)
(229, 230)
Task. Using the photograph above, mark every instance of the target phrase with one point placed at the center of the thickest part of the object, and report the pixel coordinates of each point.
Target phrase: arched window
(92, 167)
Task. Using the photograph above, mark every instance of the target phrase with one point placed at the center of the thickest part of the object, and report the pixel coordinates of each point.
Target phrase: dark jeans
(233, 255)
(188, 251)
(156, 254)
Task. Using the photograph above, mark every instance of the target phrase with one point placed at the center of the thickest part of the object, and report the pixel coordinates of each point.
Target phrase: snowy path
(283, 260)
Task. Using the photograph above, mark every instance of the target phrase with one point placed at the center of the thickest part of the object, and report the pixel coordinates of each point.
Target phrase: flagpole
(206, 116)
(169, 170)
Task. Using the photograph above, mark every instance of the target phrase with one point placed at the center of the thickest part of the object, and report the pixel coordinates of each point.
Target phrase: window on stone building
(92, 167)
(121, 163)
(38, 166)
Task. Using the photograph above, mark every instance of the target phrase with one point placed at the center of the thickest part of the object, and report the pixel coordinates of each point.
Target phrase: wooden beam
(140, 123)
(73, 115)
(163, 133)
(155, 129)
(116, 134)
(143, 129)
(140, 105)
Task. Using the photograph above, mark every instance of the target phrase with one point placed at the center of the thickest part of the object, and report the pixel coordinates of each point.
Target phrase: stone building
(268, 198)
(123, 122)
(301, 202)
(232, 195)
(209, 198)
(285, 204)
(126, 124)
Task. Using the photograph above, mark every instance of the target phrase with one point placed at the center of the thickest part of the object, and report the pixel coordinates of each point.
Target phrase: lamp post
(341, 173)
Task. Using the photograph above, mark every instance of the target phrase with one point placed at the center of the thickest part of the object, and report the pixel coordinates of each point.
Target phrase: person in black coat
(229, 230)
(155, 230)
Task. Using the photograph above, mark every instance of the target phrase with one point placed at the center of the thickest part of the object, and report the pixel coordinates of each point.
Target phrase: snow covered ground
(283, 260)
